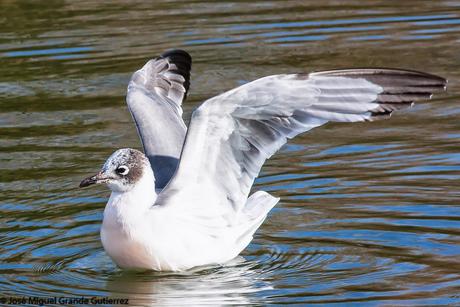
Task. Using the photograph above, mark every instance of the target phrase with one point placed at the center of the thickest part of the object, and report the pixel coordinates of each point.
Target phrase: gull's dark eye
(122, 170)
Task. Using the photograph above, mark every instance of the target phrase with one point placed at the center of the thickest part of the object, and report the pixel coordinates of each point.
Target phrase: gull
(185, 202)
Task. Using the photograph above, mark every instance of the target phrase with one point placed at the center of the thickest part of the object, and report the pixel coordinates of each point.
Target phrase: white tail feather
(255, 211)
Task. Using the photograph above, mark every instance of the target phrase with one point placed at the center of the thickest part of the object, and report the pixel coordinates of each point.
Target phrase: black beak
(98, 178)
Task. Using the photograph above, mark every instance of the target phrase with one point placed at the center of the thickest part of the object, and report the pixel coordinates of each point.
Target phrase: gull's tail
(255, 211)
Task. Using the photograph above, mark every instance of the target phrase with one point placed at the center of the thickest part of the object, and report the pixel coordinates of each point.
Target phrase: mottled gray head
(122, 170)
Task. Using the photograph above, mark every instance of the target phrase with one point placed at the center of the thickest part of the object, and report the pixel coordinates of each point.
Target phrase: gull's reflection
(235, 283)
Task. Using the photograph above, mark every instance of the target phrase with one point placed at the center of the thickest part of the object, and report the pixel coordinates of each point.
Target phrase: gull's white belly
(162, 248)
(137, 236)
(126, 252)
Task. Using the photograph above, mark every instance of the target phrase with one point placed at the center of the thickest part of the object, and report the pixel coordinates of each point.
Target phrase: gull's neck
(128, 207)
(125, 219)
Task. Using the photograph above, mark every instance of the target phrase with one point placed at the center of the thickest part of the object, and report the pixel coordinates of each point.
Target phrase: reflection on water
(369, 211)
(234, 283)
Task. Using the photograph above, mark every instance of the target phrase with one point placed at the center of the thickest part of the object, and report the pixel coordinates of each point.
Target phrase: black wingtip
(179, 56)
(183, 61)
(173, 52)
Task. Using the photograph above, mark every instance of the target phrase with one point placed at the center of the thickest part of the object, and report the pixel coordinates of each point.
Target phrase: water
(369, 212)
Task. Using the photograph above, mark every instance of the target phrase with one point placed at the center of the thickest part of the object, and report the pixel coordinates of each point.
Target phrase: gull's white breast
(139, 237)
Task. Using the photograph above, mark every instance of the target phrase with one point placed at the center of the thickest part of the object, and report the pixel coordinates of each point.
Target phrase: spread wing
(231, 135)
(155, 95)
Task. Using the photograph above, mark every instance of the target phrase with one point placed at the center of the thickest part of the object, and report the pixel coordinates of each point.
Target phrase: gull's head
(122, 170)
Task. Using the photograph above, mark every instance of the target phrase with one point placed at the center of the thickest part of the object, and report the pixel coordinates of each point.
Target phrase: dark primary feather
(400, 87)
(180, 63)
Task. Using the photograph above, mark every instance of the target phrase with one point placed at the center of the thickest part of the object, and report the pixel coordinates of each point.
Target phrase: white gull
(186, 203)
